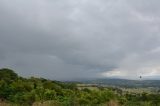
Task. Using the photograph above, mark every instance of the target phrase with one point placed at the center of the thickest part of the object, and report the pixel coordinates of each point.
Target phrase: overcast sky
(75, 39)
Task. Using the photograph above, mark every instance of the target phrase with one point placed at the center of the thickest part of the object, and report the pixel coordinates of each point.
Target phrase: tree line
(21, 91)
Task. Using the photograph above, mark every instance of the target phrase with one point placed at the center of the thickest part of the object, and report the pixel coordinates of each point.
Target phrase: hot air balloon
(140, 77)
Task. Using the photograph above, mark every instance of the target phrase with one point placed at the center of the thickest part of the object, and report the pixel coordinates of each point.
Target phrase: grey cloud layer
(69, 39)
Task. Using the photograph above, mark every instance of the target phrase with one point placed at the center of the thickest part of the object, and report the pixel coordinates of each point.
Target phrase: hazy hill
(125, 82)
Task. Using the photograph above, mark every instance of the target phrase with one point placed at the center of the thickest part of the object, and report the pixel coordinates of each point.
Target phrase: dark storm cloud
(71, 39)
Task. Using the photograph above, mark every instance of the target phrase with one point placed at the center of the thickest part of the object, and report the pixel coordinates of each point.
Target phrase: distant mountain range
(124, 83)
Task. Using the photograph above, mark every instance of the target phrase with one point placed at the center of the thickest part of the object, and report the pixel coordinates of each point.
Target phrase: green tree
(8, 75)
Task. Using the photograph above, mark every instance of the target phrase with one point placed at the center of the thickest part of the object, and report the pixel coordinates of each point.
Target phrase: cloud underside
(75, 39)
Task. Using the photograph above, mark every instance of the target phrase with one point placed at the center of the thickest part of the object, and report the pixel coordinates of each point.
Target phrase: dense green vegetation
(20, 91)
